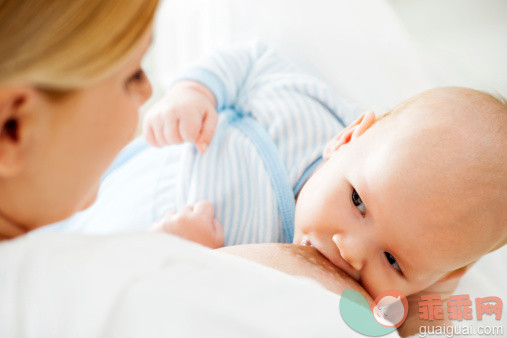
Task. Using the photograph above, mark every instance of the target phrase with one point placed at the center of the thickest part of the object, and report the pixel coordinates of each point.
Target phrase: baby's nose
(352, 257)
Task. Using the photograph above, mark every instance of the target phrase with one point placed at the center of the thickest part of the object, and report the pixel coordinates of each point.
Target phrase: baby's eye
(358, 202)
(392, 261)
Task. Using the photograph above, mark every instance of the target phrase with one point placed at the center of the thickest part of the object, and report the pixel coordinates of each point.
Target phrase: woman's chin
(88, 203)
(90, 199)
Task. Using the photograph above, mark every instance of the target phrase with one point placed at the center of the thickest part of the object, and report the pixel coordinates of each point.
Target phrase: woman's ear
(356, 129)
(13, 103)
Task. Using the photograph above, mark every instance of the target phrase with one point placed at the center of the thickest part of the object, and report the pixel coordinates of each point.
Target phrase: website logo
(386, 314)
(460, 309)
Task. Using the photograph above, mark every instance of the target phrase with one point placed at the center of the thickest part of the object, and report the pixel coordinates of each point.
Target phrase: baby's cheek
(376, 281)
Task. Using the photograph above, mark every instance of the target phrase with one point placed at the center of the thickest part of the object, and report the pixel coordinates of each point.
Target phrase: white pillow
(359, 47)
(374, 52)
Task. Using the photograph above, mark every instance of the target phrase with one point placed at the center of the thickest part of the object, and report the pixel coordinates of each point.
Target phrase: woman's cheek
(126, 120)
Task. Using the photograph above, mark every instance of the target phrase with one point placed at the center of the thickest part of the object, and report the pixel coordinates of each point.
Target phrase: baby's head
(412, 198)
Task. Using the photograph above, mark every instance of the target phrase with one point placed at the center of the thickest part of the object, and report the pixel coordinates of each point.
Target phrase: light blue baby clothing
(274, 121)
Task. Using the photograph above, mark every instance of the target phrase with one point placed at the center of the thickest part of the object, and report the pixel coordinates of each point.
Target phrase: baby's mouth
(306, 242)
(340, 263)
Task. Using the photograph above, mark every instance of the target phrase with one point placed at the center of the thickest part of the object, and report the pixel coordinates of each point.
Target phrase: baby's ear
(356, 129)
(454, 274)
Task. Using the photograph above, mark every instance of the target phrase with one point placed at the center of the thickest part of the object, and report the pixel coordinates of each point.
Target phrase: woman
(70, 87)
(68, 102)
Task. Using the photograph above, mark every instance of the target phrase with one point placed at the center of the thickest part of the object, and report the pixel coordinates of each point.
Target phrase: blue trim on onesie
(273, 164)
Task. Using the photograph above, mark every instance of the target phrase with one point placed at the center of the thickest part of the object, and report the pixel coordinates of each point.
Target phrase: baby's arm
(188, 112)
(253, 80)
(197, 224)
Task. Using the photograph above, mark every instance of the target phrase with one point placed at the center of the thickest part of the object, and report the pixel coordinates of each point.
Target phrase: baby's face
(392, 209)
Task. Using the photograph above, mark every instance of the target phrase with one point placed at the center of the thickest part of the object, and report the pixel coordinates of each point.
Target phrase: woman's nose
(350, 250)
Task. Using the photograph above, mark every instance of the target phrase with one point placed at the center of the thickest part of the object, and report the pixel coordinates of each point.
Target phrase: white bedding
(58, 285)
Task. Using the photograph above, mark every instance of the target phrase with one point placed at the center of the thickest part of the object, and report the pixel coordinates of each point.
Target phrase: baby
(399, 202)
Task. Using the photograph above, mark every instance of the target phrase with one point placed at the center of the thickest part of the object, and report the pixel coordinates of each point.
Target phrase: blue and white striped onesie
(274, 121)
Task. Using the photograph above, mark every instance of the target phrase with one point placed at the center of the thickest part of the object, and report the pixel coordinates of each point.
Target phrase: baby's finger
(187, 208)
(190, 125)
(157, 124)
(148, 134)
(171, 130)
(204, 208)
(219, 230)
(208, 130)
(170, 213)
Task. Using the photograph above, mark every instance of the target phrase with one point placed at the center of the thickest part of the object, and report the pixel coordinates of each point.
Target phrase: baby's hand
(186, 114)
(197, 224)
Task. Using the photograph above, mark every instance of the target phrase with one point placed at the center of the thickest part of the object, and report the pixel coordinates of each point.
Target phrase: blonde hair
(64, 45)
